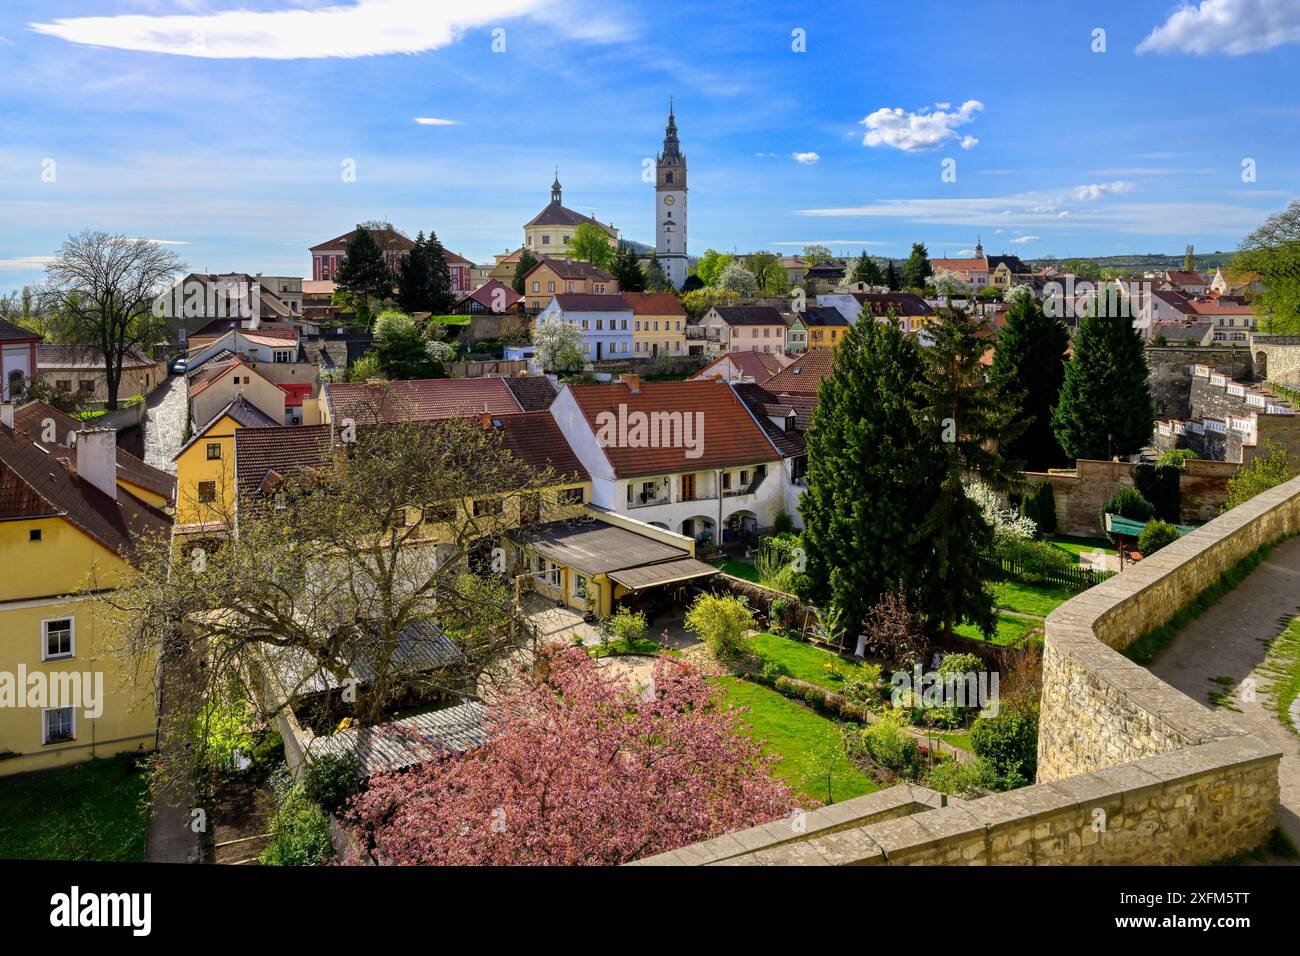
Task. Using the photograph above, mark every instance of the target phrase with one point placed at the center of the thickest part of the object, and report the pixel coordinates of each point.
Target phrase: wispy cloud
(1234, 27)
(925, 129)
(435, 121)
(25, 263)
(1094, 191)
(1024, 240)
(807, 159)
(360, 28)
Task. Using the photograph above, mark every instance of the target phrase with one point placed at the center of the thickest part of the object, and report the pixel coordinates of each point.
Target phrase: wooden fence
(1076, 578)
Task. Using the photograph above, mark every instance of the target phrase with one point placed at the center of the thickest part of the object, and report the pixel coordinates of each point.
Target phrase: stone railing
(1130, 770)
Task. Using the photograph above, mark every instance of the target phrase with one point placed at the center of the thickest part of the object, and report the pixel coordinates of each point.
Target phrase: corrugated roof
(410, 740)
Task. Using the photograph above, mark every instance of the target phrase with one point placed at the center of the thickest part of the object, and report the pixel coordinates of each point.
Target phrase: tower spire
(556, 191)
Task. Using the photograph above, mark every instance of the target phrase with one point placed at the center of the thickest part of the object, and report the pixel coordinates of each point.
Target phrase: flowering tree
(559, 345)
(736, 278)
(581, 768)
(1008, 525)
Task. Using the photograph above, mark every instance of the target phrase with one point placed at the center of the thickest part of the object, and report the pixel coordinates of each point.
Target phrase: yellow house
(551, 230)
(658, 324)
(552, 277)
(205, 469)
(69, 528)
(826, 326)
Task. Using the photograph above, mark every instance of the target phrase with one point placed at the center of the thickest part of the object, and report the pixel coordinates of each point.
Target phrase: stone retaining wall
(1131, 771)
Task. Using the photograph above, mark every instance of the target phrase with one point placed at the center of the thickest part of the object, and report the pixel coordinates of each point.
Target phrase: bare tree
(100, 289)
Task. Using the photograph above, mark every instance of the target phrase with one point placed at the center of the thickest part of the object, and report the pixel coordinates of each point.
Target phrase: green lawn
(1077, 546)
(960, 741)
(804, 661)
(1283, 665)
(1011, 630)
(89, 811)
(1039, 599)
(796, 734)
(738, 569)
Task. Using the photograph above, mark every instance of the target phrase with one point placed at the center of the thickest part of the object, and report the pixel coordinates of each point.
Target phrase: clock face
(669, 200)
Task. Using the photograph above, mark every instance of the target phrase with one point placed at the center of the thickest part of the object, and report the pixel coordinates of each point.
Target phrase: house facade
(658, 324)
(17, 359)
(551, 277)
(745, 328)
(79, 370)
(605, 322)
(551, 230)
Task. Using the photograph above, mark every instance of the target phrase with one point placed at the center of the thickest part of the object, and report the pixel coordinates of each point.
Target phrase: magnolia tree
(1007, 524)
(581, 768)
(736, 278)
(948, 284)
(559, 346)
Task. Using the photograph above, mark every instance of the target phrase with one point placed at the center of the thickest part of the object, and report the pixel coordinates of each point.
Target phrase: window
(214, 451)
(488, 506)
(85, 385)
(668, 176)
(56, 639)
(530, 509)
(59, 725)
(440, 512)
(600, 325)
(281, 355)
(546, 239)
(579, 587)
(207, 492)
(573, 496)
(550, 287)
(63, 384)
(625, 325)
(537, 286)
(34, 534)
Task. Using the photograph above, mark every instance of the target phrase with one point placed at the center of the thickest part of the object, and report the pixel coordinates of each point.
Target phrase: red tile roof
(760, 366)
(485, 294)
(591, 302)
(536, 440)
(421, 400)
(38, 482)
(654, 303)
(535, 393)
(730, 437)
(804, 375)
(285, 451)
(31, 419)
(571, 269)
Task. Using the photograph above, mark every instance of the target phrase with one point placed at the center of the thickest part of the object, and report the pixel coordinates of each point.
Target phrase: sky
(242, 132)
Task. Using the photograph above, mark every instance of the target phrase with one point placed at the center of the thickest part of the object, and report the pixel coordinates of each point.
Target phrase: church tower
(670, 205)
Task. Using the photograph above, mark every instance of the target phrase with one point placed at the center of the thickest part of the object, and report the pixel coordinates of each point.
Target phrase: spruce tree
(1105, 407)
(969, 417)
(1030, 361)
(656, 280)
(413, 286)
(439, 272)
(891, 277)
(866, 270)
(625, 268)
(526, 264)
(364, 273)
(871, 475)
(917, 267)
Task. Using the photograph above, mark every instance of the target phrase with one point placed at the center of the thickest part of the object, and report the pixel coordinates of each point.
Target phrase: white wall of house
(846, 305)
(257, 391)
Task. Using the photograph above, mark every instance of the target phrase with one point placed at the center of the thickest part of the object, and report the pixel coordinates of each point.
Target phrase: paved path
(164, 424)
(1229, 642)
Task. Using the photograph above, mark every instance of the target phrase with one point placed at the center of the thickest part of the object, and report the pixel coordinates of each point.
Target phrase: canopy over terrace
(589, 564)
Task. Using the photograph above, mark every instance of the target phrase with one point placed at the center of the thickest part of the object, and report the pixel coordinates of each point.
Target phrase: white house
(686, 456)
(605, 321)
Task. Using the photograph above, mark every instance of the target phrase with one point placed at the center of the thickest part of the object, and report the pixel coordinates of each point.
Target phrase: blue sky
(226, 132)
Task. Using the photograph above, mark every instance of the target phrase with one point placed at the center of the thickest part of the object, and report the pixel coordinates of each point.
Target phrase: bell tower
(670, 204)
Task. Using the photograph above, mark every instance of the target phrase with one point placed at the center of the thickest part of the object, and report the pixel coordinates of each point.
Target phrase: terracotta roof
(85, 356)
(903, 303)
(804, 375)
(750, 315)
(654, 303)
(1179, 277)
(16, 333)
(591, 302)
(557, 215)
(267, 330)
(730, 436)
(960, 265)
(285, 451)
(535, 393)
(421, 400)
(536, 440)
(30, 419)
(1219, 307)
(767, 405)
(318, 286)
(36, 481)
(571, 269)
(760, 366)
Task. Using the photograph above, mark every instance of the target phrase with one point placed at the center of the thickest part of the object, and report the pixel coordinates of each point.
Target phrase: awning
(1126, 526)
(669, 572)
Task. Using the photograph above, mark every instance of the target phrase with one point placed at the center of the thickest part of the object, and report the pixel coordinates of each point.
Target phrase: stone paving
(1227, 644)
(164, 424)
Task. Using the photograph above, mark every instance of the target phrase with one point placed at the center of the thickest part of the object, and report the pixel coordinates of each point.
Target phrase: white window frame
(45, 726)
(72, 638)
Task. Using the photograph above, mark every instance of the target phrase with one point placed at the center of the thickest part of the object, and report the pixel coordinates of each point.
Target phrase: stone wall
(1277, 358)
(1081, 493)
(1130, 770)
(1171, 376)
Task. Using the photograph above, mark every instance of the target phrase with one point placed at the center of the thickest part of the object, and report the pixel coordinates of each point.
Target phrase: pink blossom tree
(580, 768)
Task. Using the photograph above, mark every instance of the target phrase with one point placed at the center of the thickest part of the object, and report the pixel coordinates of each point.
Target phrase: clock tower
(670, 205)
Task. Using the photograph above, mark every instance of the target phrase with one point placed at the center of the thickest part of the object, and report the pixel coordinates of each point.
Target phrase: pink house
(328, 256)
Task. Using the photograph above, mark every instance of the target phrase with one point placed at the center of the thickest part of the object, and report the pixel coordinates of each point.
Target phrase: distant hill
(1139, 263)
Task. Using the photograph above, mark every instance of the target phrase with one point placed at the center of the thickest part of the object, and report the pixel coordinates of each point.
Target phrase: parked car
(178, 366)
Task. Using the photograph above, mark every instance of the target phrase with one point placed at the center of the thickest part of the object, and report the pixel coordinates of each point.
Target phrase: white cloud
(435, 121)
(831, 242)
(25, 263)
(1097, 190)
(924, 129)
(1022, 240)
(360, 28)
(1226, 26)
(969, 142)
(806, 158)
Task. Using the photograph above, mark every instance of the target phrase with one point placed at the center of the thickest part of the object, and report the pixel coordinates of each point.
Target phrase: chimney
(633, 383)
(7, 414)
(97, 458)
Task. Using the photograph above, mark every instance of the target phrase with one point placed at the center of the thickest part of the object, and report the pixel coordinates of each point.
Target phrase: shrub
(1127, 502)
(966, 780)
(862, 687)
(269, 750)
(1176, 458)
(782, 523)
(1036, 559)
(1159, 484)
(890, 745)
(300, 833)
(1009, 742)
(1045, 505)
(627, 625)
(331, 779)
(1155, 536)
(1263, 472)
(723, 623)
